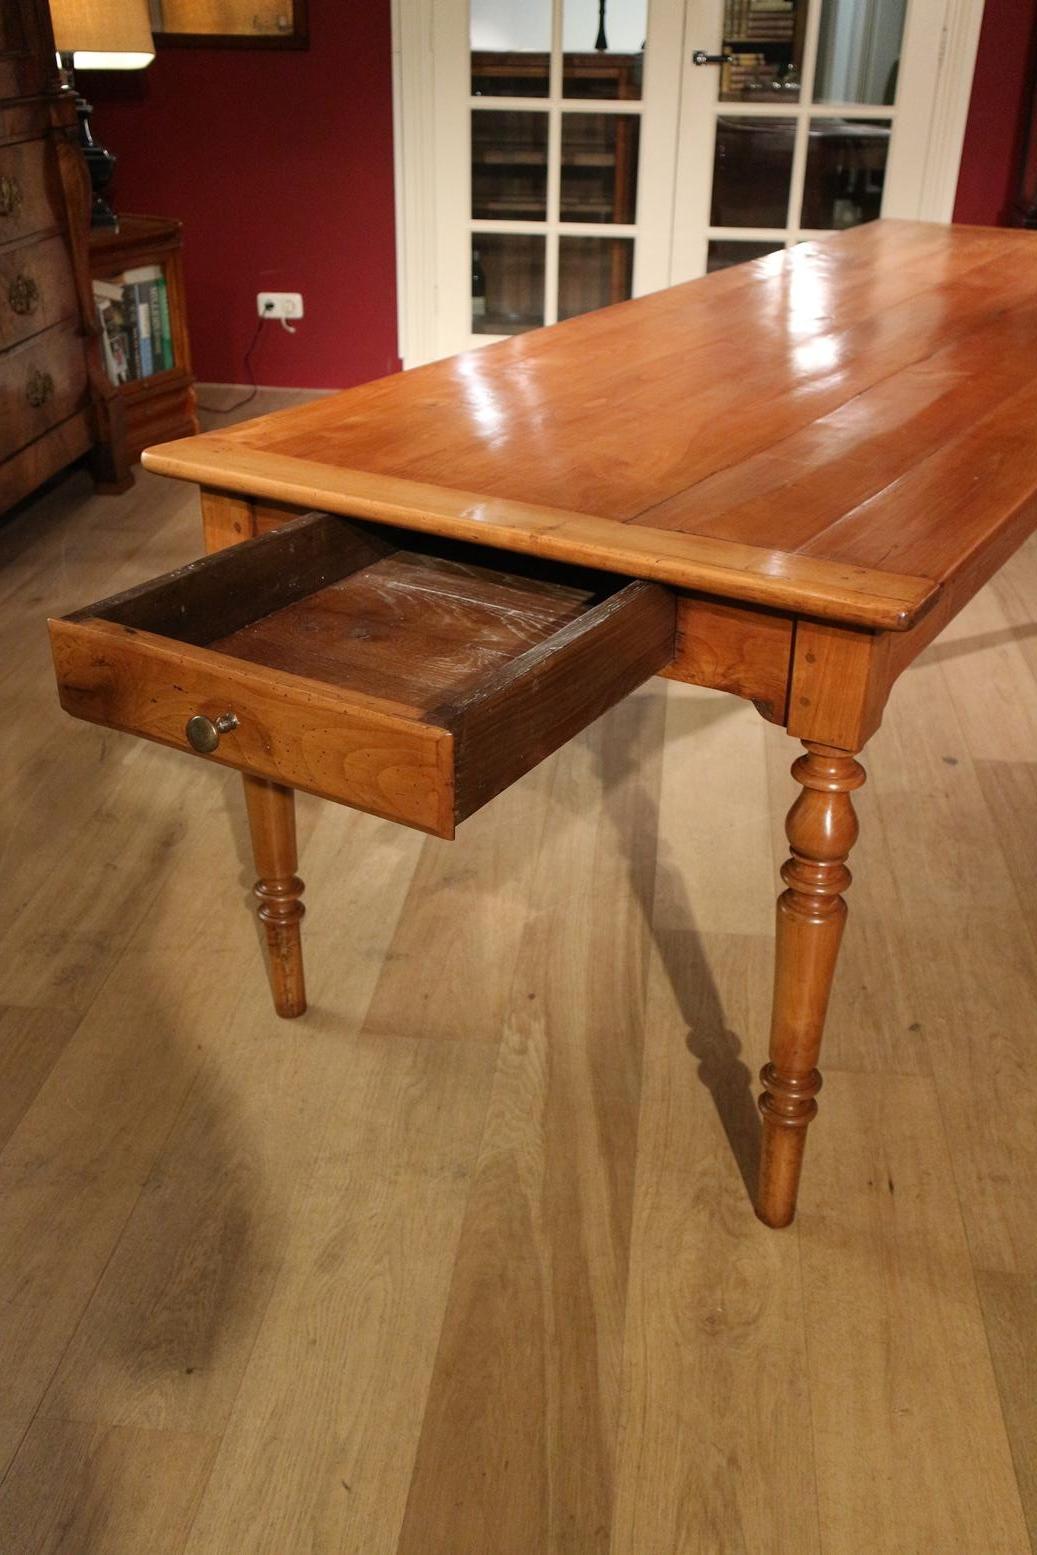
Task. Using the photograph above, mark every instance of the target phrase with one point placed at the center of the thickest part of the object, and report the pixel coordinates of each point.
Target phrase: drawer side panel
(557, 689)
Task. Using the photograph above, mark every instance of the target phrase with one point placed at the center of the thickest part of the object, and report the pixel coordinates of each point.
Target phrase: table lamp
(100, 35)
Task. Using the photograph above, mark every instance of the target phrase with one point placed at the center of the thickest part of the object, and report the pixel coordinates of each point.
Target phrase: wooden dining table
(780, 481)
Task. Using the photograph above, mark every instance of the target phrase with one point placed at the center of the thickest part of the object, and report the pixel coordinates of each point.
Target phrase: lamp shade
(103, 34)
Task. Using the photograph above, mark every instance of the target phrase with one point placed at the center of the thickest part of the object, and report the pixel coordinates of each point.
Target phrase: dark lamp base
(99, 159)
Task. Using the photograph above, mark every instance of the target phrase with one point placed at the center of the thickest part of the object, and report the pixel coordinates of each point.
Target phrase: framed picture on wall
(246, 24)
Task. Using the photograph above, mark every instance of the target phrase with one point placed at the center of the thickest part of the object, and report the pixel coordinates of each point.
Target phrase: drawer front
(12, 30)
(296, 732)
(41, 383)
(28, 197)
(25, 471)
(441, 680)
(36, 290)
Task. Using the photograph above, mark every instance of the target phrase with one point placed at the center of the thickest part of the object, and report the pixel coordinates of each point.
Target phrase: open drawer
(402, 674)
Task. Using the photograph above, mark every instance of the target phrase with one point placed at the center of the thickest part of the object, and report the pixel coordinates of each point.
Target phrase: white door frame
(430, 110)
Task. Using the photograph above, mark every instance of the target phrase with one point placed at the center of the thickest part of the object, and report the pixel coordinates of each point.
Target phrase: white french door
(547, 162)
(800, 117)
(554, 156)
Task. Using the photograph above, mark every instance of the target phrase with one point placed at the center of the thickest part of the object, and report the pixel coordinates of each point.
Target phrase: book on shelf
(115, 336)
(133, 312)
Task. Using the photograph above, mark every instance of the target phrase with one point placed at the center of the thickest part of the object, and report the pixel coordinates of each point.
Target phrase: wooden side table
(162, 405)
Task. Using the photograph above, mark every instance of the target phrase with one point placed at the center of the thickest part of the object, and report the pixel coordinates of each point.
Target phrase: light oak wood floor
(463, 1263)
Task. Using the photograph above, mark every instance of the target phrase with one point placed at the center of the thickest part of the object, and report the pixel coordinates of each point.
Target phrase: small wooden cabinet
(160, 405)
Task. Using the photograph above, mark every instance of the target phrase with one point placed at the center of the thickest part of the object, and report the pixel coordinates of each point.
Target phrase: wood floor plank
(988, 662)
(85, 1147)
(31, 1041)
(1009, 1303)
(900, 1374)
(102, 1490)
(1010, 791)
(169, 1331)
(11, 1432)
(714, 1406)
(990, 669)
(966, 946)
(167, 1335)
(715, 1446)
(320, 1446)
(518, 1440)
(58, 778)
(68, 927)
(463, 922)
(1014, 589)
(714, 881)
(714, 858)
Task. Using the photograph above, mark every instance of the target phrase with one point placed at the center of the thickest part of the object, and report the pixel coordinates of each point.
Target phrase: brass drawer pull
(10, 195)
(39, 388)
(204, 735)
(23, 294)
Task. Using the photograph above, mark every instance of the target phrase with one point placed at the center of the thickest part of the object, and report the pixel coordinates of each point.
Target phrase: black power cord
(225, 410)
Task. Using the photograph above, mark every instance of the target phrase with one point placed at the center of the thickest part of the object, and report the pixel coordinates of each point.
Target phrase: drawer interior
(414, 626)
(500, 657)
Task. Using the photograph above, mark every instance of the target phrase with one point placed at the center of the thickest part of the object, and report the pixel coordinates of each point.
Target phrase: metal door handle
(700, 57)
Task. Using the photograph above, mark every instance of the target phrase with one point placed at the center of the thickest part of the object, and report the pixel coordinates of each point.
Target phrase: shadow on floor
(710, 1040)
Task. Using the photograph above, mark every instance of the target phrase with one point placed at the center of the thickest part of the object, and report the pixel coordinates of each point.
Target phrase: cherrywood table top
(845, 428)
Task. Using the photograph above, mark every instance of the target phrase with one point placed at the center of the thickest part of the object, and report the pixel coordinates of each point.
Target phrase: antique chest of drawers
(55, 401)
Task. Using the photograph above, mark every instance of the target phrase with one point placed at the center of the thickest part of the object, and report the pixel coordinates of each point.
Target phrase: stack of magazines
(133, 310)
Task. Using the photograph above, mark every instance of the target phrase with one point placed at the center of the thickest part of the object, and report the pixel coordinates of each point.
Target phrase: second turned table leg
(821, 828)
(271, 818)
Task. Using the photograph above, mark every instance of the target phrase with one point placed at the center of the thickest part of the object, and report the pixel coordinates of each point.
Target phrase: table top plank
(868, 443)
(797, 431)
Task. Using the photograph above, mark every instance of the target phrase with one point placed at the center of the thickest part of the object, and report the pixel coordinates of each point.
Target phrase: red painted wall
(279, 164)
(998, 112)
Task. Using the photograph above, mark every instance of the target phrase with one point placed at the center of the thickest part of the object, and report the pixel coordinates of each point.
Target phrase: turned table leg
(821, 828)
(271, 819)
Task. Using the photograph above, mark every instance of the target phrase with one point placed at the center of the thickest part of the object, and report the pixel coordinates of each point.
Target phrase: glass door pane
(725, 252)
(509, 165)
(845, 173)
(511, 48)
(507, 282)
(547, 166)
(752, 171)
(763, 40)
(599, 167)
(593, 272)
(603, 48)
(858, 51)
(790, 122)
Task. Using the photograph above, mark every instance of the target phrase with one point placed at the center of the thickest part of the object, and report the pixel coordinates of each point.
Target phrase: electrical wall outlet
(279, 305)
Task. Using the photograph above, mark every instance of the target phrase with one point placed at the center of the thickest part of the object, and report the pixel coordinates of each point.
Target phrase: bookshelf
(139, 278)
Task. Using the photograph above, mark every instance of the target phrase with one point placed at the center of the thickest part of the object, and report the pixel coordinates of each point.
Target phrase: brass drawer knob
(203, 733)
(10, 195)
(23, 294)
(39, 388)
